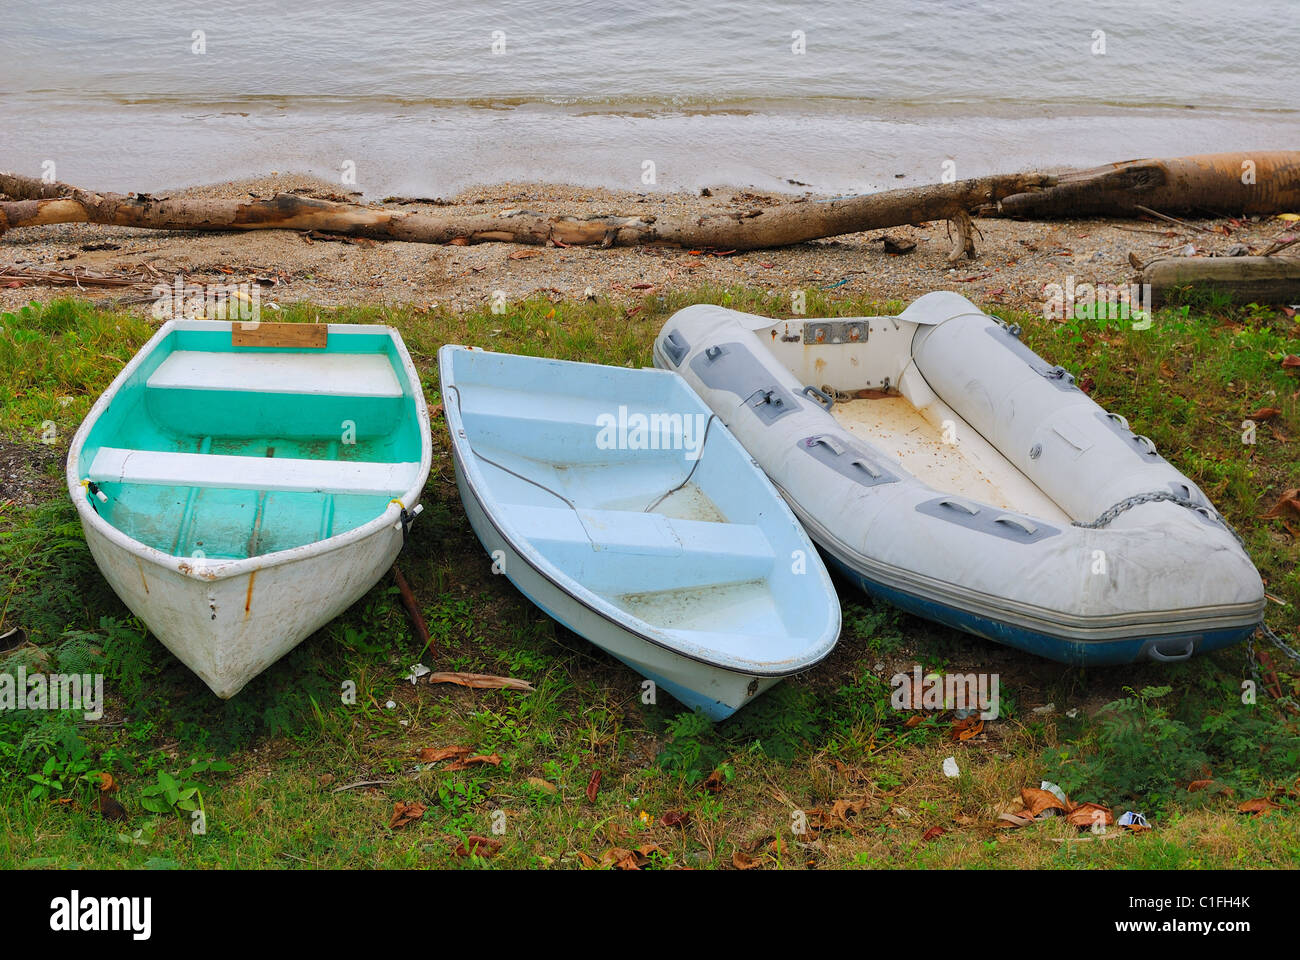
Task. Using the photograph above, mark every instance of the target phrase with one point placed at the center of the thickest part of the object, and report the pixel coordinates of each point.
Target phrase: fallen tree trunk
(756, 228)
(1262, 182)
(1246, 279)
(1266, 181)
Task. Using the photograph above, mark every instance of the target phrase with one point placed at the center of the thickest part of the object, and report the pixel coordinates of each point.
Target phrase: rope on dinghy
(707, 426)
(541, 486)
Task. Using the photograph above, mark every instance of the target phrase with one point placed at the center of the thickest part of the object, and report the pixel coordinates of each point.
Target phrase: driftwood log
(1265, 181)
(36, 203)
(1246, 279)
(1233, 183)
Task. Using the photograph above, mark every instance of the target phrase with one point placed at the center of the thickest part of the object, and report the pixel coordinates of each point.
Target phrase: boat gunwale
(207, 569)
(587, 598)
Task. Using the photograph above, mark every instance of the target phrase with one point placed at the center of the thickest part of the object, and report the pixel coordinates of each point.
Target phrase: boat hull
(230, 629)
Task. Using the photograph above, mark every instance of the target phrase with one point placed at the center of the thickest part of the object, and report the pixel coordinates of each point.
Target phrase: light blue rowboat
(616, 502)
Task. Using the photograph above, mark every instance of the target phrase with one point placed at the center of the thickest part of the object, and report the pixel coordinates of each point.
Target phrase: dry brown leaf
(625, 859)
(437, 754)
(1257, 806)
(1290, 362)
(841, 810)
(404, 813)
(1287, 503)
(714, 782)
(476, 845)
(1198, 785)
(544, 785)
(106, 782)
(593, 786)
(1036, 801)
(480, 681)
(933, 834)
(588, 862)
(1089, 815)
(492, 759)
(525, 254)
(756, 844)
(967, 727)
(1264, 413)
(675, 818)
(743, 861)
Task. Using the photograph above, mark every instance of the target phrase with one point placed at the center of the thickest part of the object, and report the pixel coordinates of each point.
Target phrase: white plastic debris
(950, 768)
(1072, 712)
(390, 705)
(1044, 709)
(418, 670)
(1130, 819)
(1054, 790)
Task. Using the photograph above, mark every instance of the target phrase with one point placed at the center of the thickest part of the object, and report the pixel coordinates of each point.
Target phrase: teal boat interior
(213, 450)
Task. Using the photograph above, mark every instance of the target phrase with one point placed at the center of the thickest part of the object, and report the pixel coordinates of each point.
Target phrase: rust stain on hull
(248, 597)
(143, 582)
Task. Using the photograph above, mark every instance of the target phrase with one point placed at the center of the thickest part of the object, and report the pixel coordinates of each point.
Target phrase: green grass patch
(304, 766)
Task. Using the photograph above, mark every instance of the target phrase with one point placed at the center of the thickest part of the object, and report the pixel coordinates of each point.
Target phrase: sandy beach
(1015, 259)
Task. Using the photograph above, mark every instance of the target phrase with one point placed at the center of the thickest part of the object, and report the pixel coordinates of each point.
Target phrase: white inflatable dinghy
(947, 468)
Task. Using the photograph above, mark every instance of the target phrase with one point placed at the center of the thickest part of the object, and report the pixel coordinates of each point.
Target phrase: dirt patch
(27, 474)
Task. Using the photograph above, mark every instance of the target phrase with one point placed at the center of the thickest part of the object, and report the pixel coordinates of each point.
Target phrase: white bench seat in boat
(650, 534)
(318, 374)
(116, 465)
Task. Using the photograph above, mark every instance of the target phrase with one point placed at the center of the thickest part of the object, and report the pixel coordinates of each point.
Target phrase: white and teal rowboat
(239, 489)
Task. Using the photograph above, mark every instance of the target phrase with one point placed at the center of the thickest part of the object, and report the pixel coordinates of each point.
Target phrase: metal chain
(1254, 662)
(1156, 496)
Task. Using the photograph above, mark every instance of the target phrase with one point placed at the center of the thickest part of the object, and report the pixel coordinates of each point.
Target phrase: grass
(819, 743)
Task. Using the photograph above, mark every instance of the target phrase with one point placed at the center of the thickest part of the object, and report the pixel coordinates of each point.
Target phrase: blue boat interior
(623, 482)
(214, 450)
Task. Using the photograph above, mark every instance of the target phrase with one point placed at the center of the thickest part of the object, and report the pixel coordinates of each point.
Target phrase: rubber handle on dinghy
(1157, 654)
(826, 399)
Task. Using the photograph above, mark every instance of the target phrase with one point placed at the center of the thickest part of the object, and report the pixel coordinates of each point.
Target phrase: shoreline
(1016, 259)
